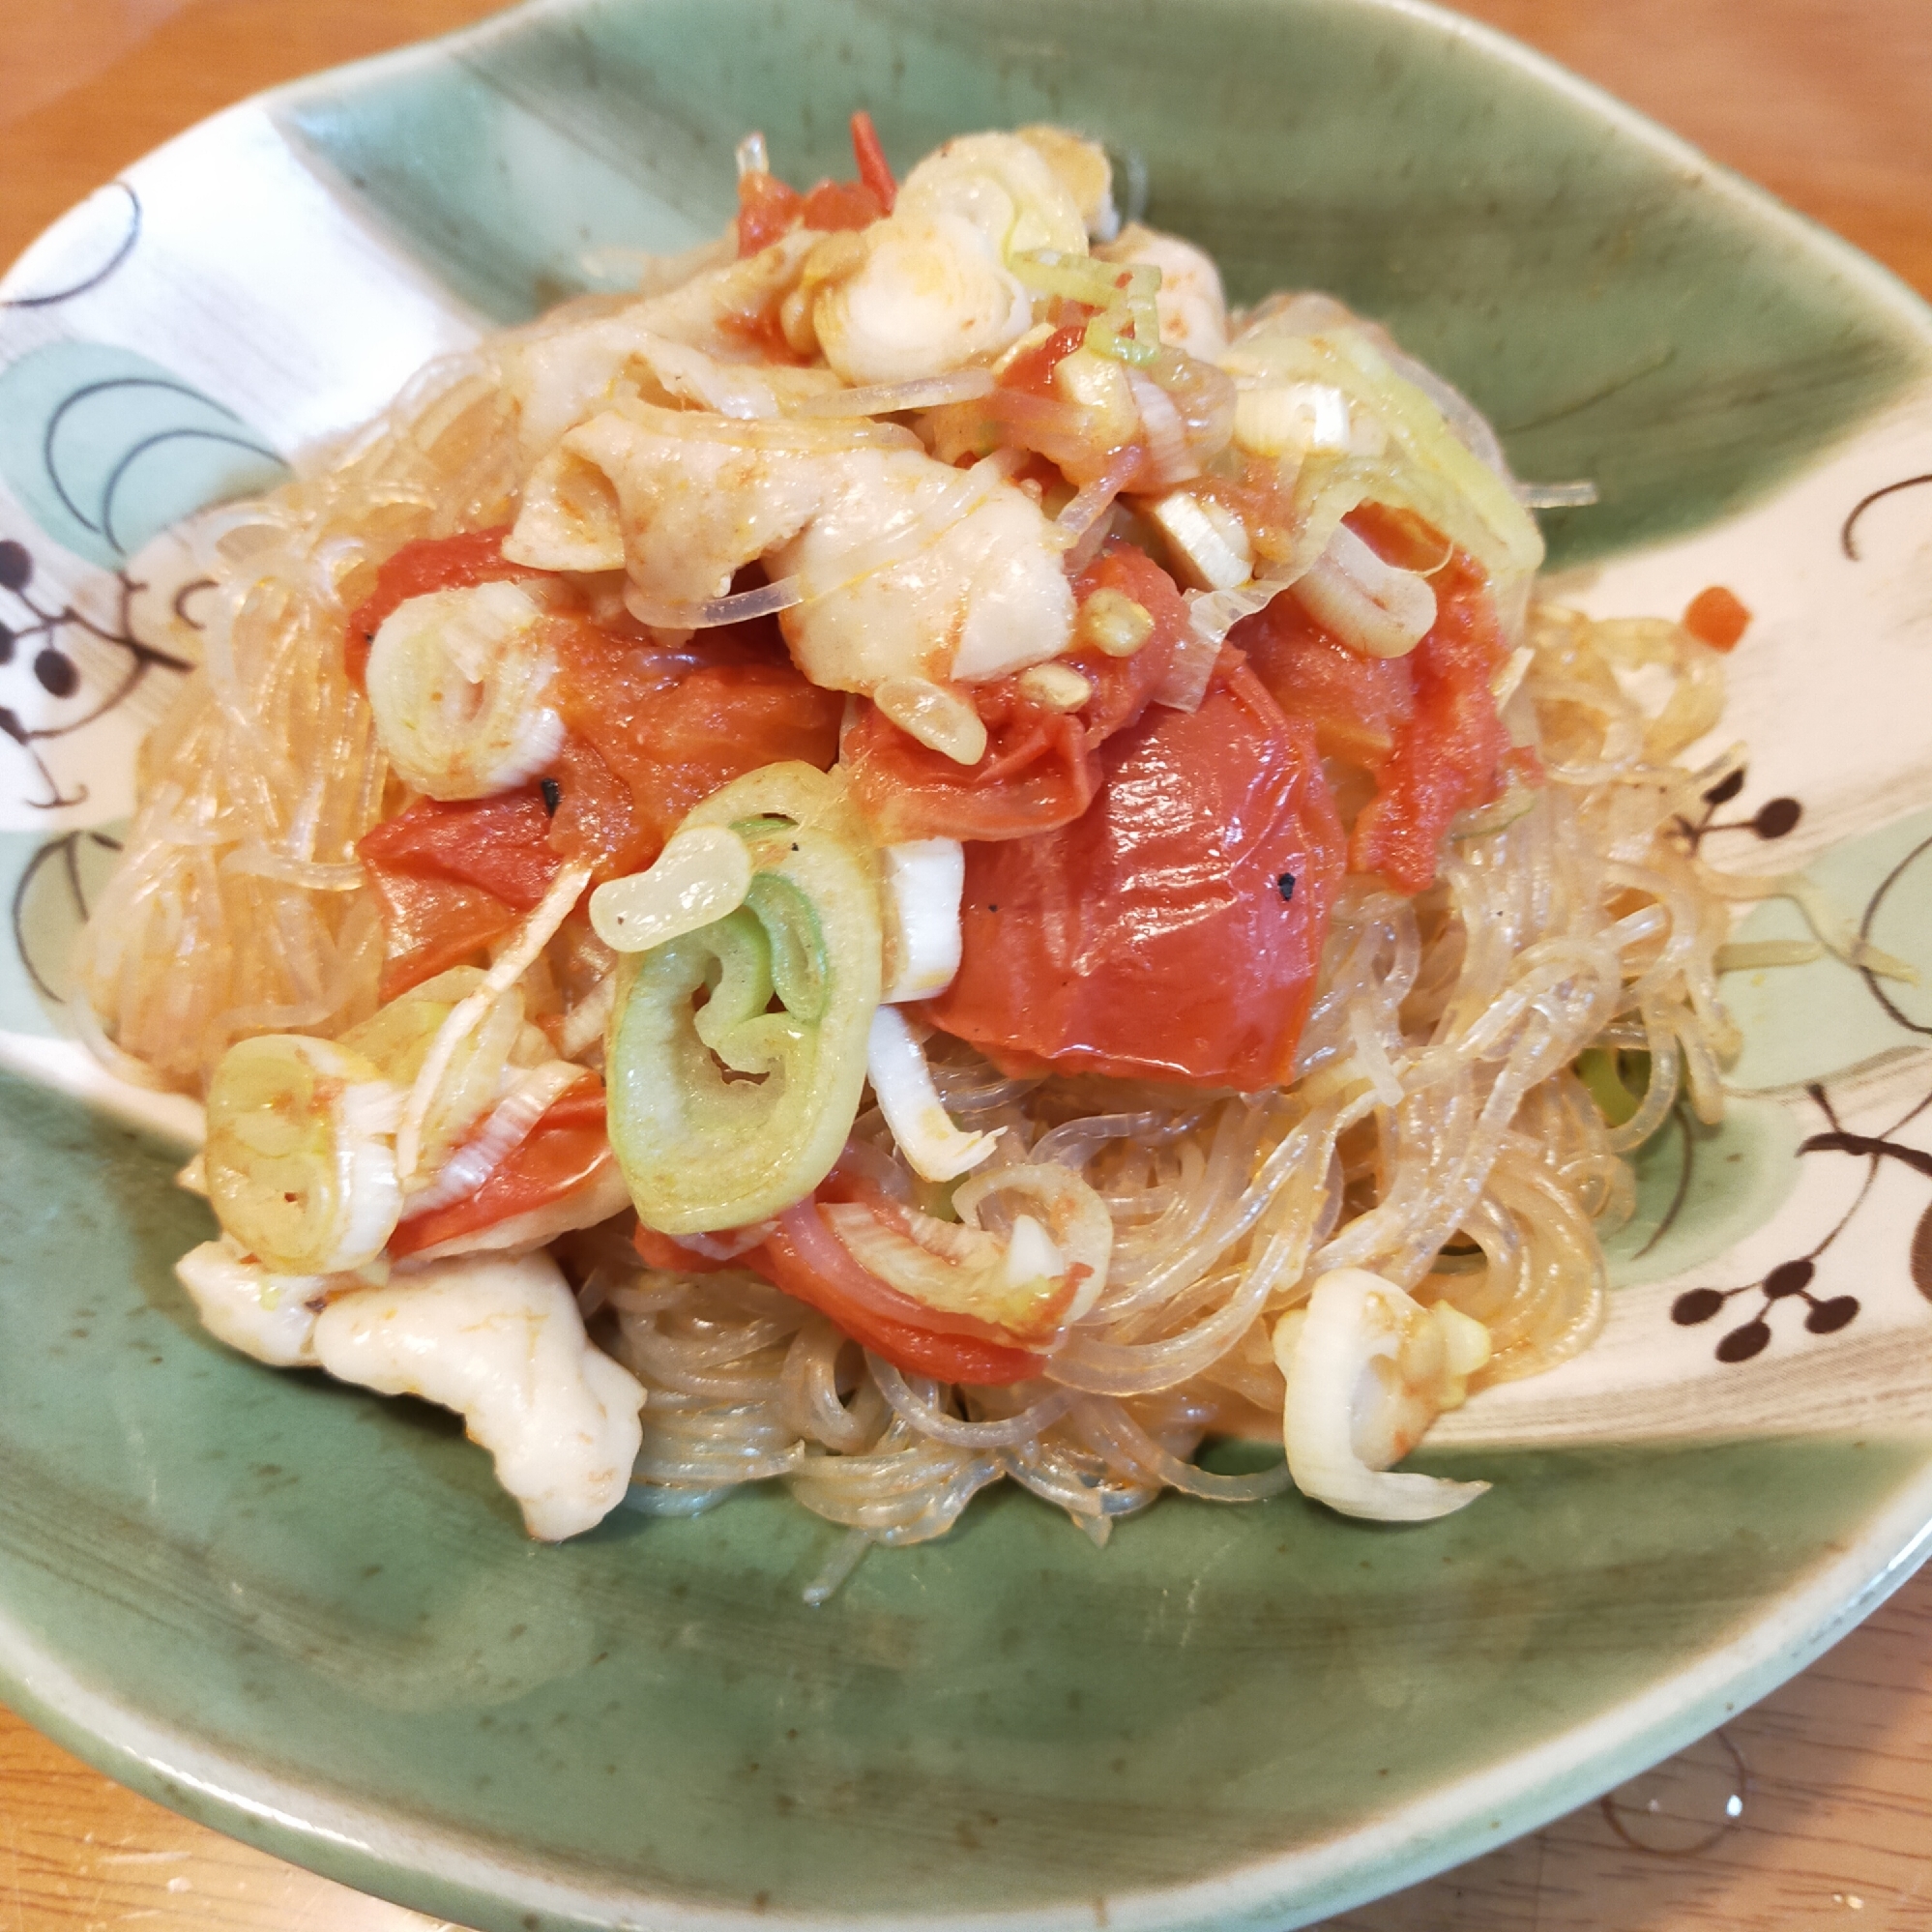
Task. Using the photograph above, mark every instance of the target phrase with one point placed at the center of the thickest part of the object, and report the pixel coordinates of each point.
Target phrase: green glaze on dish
(327, 1588)
(1621, 308)
(1807, 1023)
(312, 1618)
(1700, 1190)
(107, 447)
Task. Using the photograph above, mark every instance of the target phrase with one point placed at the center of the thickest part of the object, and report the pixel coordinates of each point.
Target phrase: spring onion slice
(736, 1055)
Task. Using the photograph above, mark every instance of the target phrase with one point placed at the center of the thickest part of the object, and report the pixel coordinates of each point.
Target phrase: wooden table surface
(1828, 103)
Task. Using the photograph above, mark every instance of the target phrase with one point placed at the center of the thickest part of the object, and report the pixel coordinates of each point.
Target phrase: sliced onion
(1085, 518)
(504, 1131)
(1169, 460)
(808, 1230)
(1209, 543)
(922, 883)
(902, 1082)
(740, 608)
(464, 1017)
(728, 1244)
(1191, 669)
(1332, 1355)
(1075, 1220)
(889, 398)
(1374, 607)
(702, 874)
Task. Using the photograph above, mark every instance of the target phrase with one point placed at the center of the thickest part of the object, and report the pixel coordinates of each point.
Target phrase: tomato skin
(450, 878)
(1151, 939)
(650, 736)
(833, 205)
(768, 209)
(1041, 768)
(1031, 371)
(1425, 726)
(659, 1250)
(874, 169)
(809, 1263)
(427, 564)
(565, 1150)
(647, 736)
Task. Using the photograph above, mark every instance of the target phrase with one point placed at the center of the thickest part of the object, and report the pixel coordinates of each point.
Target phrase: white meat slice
(501, 1343)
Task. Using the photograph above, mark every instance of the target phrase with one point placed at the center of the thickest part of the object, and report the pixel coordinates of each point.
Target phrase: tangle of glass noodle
(1435, 1131)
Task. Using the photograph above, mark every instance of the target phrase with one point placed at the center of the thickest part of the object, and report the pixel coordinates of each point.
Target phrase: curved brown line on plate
(1677, 1200)
(1865, 502)
(101, 388)
(68, 847)
(1872, 905)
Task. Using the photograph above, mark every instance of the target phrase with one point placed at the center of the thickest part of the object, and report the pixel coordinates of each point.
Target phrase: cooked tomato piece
(1425, 726)
(840, 204)
(1717, 617)
(874, 169)
(1041, 767)
(659, 1250)
(566, 1150)
(806, 1259)
(650, 736)
(450, 878)
(647, 737)
(1031, 371)
(768, 209)
(429, 564)
(1173, 932)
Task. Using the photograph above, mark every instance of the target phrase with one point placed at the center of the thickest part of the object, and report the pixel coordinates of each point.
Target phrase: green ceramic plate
(310, 1618)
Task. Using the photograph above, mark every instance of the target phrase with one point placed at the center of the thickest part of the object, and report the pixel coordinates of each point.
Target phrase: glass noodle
(1435, 1131)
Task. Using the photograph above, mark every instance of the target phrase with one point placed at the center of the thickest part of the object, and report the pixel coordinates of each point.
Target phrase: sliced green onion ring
(735, 1054)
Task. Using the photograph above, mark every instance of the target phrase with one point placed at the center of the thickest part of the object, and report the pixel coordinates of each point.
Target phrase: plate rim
(435, 1869)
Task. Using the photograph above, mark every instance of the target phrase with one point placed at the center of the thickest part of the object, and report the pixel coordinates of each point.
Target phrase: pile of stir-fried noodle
(1435, 1132)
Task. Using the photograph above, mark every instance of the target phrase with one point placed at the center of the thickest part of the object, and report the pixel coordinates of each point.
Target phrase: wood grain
(1824, 101)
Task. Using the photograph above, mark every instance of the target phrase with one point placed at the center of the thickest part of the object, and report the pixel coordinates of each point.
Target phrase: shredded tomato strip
(565, 1151)
(1424, 726)
(1041, 768)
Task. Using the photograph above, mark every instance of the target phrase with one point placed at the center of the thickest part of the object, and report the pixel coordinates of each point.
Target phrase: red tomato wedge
(1173, 932)
(450, 878)
(650, 736)
(1425, 726)
(840, 204)
(1041, 768)
(806, 1259)
(647, 737)
(429, 564)
(768, 208)
(568, 1150)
